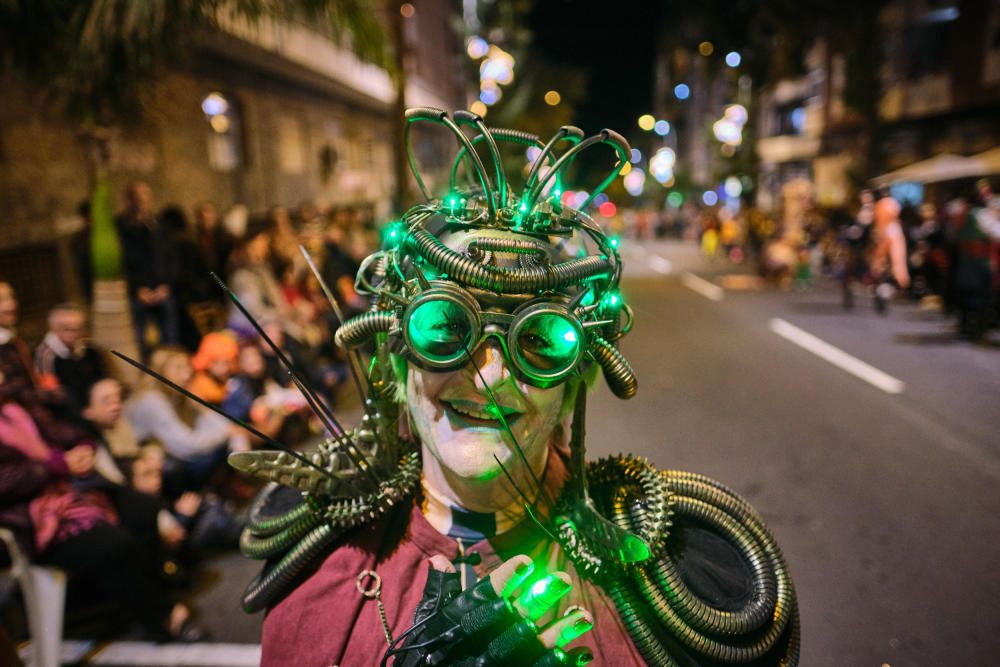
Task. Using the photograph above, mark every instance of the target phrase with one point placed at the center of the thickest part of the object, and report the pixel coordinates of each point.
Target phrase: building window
(291, 144)
(224, 152)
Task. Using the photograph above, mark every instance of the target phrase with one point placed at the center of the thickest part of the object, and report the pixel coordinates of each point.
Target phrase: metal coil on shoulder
(654, 601)
(359, 329)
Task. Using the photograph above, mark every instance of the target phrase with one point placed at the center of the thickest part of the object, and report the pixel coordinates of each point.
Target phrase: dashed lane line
(661, 265)
(702, 286)
(837, 357)
(146, 654)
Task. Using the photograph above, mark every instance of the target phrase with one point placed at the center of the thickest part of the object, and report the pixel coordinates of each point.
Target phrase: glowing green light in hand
(542, 595)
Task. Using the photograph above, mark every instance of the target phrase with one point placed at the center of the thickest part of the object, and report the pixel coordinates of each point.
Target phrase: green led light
(542, 595)
(569, 336)
(634, 550)
(452, 201)
(523, 207)
(392, 234)
(557, 193)
(613, 241)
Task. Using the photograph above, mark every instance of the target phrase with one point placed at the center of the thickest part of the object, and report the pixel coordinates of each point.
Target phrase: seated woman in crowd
(196, 440)
(76, 527)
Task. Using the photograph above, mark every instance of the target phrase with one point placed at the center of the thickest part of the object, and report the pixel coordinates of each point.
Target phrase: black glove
(476, 628)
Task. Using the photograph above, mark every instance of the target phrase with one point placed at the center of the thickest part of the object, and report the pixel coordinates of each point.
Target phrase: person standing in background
(150, 267)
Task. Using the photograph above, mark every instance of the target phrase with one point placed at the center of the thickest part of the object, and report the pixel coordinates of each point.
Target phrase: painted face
(457, 425)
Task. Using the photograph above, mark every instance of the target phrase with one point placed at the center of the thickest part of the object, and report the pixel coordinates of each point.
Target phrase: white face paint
(454, 418)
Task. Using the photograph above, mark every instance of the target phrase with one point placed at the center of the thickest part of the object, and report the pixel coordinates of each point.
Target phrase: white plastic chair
(44, 590)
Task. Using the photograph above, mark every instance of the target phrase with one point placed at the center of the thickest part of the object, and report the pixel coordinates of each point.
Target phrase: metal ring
(370, 592)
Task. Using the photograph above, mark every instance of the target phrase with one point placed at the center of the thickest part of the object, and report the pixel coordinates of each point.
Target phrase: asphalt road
(886, 504)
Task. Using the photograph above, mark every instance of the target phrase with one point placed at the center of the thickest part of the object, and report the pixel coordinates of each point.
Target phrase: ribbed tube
(360, 328)
(735, 650)
(267, 588)
(617, 371)
(262, 527)
(630, 611)
(501, 279)
(257, 547)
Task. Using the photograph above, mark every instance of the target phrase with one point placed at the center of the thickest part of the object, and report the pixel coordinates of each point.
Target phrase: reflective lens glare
(440, 330)
(547, 343)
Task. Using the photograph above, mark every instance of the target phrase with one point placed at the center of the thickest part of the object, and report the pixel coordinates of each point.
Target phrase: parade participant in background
(460, 523)
(888, 259)
(974, 234)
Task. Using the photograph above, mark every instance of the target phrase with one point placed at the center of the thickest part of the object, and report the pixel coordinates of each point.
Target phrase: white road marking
(837, 357)
(702, 286)
(660, 264)
(141, 654)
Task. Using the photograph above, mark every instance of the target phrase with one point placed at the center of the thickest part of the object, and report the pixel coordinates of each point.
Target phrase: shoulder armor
(714, 588)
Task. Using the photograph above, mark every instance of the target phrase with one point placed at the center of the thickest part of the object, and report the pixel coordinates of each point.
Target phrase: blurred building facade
(261, 115)
(937, 81)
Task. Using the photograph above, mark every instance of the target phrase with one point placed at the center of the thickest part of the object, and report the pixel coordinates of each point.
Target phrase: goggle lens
(547, 343)
(440, 330)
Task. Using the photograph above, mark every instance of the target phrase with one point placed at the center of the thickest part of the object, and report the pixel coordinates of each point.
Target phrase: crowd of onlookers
(125, 487)
(947, 257)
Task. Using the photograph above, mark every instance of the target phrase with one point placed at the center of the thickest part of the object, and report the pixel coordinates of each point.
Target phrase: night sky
(614, 45)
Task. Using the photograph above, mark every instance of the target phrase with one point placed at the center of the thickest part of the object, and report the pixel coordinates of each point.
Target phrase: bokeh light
(733, 187)
(214, 104)
(646, 122)
(407, 10)
(608, 209)
(478, 108)
(710, 198)
(675, 199)
(682, 91)
(733, 59)
(706, 48)
(635, 181)
(553, 98)
(477, 47)
(636, 155)
(662, 128)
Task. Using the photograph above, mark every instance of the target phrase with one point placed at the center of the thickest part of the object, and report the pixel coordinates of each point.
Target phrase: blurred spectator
(79, 531)
(889, 254)
(253, 282)
(150, 267)
(284, 239)
(64, 360)
(235, 221)
(339, 269)
(214, 364)
(197, 440)
(193, 284)
(215, 245)
(271, 407)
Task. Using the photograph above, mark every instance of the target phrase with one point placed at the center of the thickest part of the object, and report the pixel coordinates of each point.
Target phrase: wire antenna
(318, 407)
(219, 411)
(353, 355)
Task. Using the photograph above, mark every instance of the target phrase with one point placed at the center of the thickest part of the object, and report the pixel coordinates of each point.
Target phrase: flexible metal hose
(641, 631)
(617, 371)
(264, 527)
(268, 587)
(500, 279)
(360, 328)
(258, 547)
(661, 603)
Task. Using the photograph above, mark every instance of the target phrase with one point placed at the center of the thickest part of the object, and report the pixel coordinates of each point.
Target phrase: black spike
(219, 411)
(317, 406)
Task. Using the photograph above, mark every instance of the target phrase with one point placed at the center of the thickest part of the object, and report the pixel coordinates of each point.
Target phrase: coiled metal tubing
(501, 279)
(360, 328)
(264, 527)
(618, 372)
(270, 585)
(650, 517)
(663, 598)
(260, 547)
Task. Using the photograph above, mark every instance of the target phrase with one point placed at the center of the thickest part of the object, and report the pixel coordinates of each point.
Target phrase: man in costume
(459, 523)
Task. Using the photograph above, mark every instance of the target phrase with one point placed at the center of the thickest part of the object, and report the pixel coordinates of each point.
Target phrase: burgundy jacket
(325, 621)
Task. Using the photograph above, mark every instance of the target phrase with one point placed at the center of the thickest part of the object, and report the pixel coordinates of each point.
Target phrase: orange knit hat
(214, 346)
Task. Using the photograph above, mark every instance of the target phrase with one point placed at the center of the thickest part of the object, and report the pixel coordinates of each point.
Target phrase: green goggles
(543, 341)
